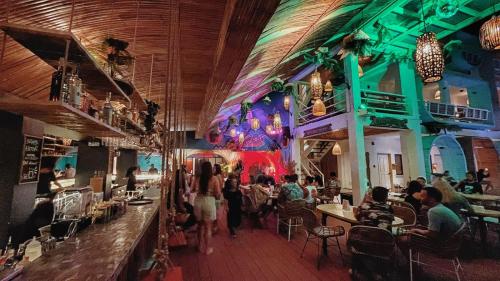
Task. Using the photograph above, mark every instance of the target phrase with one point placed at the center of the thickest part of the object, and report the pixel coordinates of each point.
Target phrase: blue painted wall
(144, 163)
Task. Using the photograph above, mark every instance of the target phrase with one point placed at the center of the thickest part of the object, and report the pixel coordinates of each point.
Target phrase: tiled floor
(262, 255)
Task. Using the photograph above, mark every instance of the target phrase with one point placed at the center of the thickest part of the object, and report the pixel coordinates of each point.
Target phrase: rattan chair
(290, 214)
(445, 249)
(408, 215)
(320, 233)
(400, 204)
(372, 243)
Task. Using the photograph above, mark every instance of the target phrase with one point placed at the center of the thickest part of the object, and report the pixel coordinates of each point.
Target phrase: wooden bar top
(99, 252)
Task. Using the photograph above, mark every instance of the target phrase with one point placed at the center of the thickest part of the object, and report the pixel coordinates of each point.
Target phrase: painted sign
(32, 154)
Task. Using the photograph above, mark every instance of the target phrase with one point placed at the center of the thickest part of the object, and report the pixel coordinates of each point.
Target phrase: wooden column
(355, 128)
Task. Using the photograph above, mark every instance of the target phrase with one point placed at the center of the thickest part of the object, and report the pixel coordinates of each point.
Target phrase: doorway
(384, 170)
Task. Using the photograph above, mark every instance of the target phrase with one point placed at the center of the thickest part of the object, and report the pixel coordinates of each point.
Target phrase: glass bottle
(55, 86)
(108, 110)
(75, 89)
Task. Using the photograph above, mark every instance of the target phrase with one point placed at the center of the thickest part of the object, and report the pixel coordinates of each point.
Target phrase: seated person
(376, 212)
(333, 182)
(422, 181)
(291, 190)
(443, 222)
(413, 195)
(311, 190)
(469, 184)
(451, 198)
(318, 180)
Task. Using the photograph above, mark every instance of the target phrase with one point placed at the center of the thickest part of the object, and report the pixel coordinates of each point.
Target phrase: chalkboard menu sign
(32, 154)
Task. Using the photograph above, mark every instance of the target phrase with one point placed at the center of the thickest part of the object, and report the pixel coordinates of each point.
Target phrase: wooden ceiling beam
(248, 19)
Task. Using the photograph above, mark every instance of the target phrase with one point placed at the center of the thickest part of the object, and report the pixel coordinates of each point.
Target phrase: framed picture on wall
(398, 163)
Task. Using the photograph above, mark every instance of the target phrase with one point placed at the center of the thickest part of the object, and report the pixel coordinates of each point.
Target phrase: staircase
(311, 157)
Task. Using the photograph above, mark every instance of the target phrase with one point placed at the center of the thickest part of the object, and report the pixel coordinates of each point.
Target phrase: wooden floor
(262, 255)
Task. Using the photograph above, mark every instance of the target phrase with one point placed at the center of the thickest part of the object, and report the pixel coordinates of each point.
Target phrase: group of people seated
(309, 191)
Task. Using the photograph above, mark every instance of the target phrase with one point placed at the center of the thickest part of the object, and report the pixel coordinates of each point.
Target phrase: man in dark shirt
(469, 184)
(377, 212)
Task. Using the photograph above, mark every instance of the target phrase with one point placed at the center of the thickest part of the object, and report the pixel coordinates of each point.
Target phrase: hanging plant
(116, 51)
(278, 85)
(245, 107)
(357, 43)
(149, 120)
(233, 121)
(324, 57)
(267, 100)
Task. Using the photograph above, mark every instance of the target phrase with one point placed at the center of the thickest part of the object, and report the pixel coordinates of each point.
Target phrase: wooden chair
(373, 244)
(446, 249)
(320, 233)
(290, 214)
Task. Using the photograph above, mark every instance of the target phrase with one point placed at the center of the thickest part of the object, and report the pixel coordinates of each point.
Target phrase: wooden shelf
(50, 45)
(62, 115)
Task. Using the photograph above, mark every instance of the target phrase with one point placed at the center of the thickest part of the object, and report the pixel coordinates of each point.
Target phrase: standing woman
(220, 178)
(234, 197)
(131, 182)
(204, 206)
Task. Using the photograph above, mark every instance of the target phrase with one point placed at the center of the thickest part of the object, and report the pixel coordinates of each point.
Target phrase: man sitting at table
(291, 190)
(443, 222)
(376, 212)
(469, 184)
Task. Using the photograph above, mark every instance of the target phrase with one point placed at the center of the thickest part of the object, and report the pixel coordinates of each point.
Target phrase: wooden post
(71, 16)
(65, 63)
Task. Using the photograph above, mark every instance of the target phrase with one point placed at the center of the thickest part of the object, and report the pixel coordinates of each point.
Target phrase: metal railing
(383, 102)
(456, 112)
(334, 104)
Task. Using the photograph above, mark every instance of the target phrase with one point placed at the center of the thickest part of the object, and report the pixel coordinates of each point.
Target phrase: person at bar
(69, 171)
(376, 212)
(132, 180)
(443, 222)
(47, 177)
(469, 184)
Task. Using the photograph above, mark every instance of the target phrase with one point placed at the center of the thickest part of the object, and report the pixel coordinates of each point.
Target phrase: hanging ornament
(316, 85)
(489, 34)
(429, 58)
(255, 123)
(286, 102)
(328, 87)
(336, 150)
(319, 108)
(241, 138)
(269, 129)
(232, 133)
(277, 121)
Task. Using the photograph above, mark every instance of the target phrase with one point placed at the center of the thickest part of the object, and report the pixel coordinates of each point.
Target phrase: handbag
(177, 239)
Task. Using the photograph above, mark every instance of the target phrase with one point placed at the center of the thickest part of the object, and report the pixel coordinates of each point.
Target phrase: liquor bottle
(55, 86)
(108, 111)
(75, 88)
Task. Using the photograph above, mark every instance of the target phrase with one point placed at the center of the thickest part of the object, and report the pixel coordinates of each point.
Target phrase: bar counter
(112, 251)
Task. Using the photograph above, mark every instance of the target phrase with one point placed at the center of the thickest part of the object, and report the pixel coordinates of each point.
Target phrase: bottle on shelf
(74, 88)
(55, 85)
(108, 110)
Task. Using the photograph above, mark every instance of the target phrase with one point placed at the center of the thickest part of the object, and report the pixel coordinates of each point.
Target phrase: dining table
(481, 197)
(481, 213)
(337, 211)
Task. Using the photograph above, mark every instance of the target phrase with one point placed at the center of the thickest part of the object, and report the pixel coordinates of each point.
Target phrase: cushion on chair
(325, 231)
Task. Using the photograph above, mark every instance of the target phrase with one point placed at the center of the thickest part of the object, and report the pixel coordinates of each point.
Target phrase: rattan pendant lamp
(489, 34)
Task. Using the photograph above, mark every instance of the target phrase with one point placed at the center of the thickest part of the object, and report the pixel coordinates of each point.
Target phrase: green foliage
(245, 107)
(278, 85)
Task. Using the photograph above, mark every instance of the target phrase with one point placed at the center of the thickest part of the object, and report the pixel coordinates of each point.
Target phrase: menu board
(32, 154)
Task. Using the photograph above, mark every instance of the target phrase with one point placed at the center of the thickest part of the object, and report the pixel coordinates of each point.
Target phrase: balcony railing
(457, 112)
(334, 104)
(382, 102)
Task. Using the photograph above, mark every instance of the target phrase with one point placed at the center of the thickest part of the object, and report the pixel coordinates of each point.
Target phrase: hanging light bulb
(316, 85)
(255, 123)
(319, 108)
(241, 138)
(489, 34)
(277, 121)
(336, 150)
(286, 102)
(429, 58)
(328, 87)
(269, 129)
(232, 133)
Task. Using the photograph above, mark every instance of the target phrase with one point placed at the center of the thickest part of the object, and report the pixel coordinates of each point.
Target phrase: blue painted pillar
(355, 131)
(411, 139)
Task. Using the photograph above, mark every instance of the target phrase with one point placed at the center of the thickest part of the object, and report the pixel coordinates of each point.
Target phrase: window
(398, 163)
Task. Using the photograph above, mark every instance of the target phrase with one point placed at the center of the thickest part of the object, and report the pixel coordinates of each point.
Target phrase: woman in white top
(208, 189)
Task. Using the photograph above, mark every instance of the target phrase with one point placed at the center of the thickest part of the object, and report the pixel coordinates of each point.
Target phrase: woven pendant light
(429, 58)
(277, 121)
(328, 87)
(316, 85)
(286, 102)
(255, 123)
(336, 150)
(232, 133)
(319, 108)
(269, 129)
(489, 34)
(241, 138)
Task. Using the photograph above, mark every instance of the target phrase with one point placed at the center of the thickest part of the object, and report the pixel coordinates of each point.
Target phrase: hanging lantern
(489, 34)
(316, 86)
(429, 58)
(328, 87)
(255, 123)
(319, 108)
(360, 71)
(336, 150)
(270, 129)
(241, 138)
(286, 102)
(232, 133)
(277, 121)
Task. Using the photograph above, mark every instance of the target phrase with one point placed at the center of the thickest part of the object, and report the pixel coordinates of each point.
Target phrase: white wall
(386, 144)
